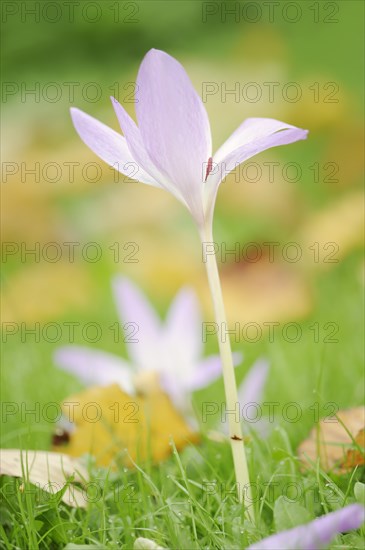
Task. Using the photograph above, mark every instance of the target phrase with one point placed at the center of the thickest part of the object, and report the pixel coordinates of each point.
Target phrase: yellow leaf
(113, 426)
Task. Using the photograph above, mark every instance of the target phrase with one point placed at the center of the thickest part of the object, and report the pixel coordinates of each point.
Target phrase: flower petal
(134, 141)
(257, 134)
(252, 387)
(183, 333)
(208, 370)
(252, 137)
(143, 335)
(176, 390)
(174, 125)
(179, 386)
(95, 367)
(110, 146)
(317, 534)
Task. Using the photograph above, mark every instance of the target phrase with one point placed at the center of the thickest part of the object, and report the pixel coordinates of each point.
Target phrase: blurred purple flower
(250, 393)
(172, 349)
(317, 534)
(251, 389)
(172, 144)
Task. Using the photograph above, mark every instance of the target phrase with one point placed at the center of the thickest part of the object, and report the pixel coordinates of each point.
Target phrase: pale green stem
(230, 386)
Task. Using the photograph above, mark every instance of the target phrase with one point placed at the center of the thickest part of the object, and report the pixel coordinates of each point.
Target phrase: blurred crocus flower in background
(168, 353)
(250, 394)
(172, 145)
(251, 390)
(317, 534)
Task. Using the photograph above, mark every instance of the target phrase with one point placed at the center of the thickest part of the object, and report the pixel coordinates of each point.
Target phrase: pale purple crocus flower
(172, 349)
(171, 147)
(317, 534)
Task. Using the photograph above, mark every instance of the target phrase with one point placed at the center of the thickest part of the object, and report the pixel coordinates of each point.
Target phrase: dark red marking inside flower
(209, 167)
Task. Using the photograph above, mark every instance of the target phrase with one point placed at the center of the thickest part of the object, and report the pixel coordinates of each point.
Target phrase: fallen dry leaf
(146, 544)
(345, 146)
(264, 291)
(48, 471)
(330, 234)
(331, 443)
(356, 457)
(113, 426)
(38, 292)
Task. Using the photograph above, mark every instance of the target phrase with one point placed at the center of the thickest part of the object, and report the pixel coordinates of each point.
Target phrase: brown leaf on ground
(39, 292)
(331, 442)
(330, 234)
(48, 471)
(262, 291)
(146, 544)
(356, 457)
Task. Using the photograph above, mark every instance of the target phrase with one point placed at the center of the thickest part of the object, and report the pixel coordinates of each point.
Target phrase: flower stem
(230, 386)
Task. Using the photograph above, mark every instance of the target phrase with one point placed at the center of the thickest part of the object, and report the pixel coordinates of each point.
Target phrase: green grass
(169, 503)
(173, 505)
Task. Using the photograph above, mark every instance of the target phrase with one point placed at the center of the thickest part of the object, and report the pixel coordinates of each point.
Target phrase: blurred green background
(68, 59)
